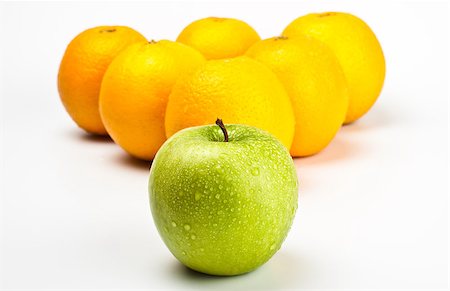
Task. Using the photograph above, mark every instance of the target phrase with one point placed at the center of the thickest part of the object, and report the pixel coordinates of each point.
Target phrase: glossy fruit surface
(223, 208)
(218, 38)
(135, 91)
(315, 83)
(82, 68)
(239, 90)
(357, 49)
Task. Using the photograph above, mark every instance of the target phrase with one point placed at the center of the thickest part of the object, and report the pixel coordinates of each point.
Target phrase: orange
(218, 38)
(238, 90)
(357, 49)
(82, 68)
(135, 90)
(315, 83)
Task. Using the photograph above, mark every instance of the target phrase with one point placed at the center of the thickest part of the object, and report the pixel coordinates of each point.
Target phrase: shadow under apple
(281, 272)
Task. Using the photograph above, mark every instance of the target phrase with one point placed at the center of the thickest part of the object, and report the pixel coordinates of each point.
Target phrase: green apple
(223, 198)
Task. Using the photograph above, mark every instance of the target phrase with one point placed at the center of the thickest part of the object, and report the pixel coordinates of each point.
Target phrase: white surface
(373, 209)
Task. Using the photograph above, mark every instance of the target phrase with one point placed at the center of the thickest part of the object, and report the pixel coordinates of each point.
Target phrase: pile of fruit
(223, 196)
(325, 70)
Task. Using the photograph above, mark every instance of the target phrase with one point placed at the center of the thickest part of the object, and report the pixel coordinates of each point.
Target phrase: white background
(373, 209)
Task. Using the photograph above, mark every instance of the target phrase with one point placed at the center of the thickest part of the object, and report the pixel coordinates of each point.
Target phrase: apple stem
(222, 127)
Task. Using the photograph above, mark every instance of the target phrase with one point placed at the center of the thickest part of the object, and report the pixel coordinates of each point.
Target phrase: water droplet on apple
(217, 196)
(183, 253)
(197, 196)
(174, 224)
(220, 187)
(187, 227)
(255, 171)
(193, 237)
(272, 247)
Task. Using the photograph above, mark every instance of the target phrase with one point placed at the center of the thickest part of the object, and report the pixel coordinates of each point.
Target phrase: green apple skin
(223, 208)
